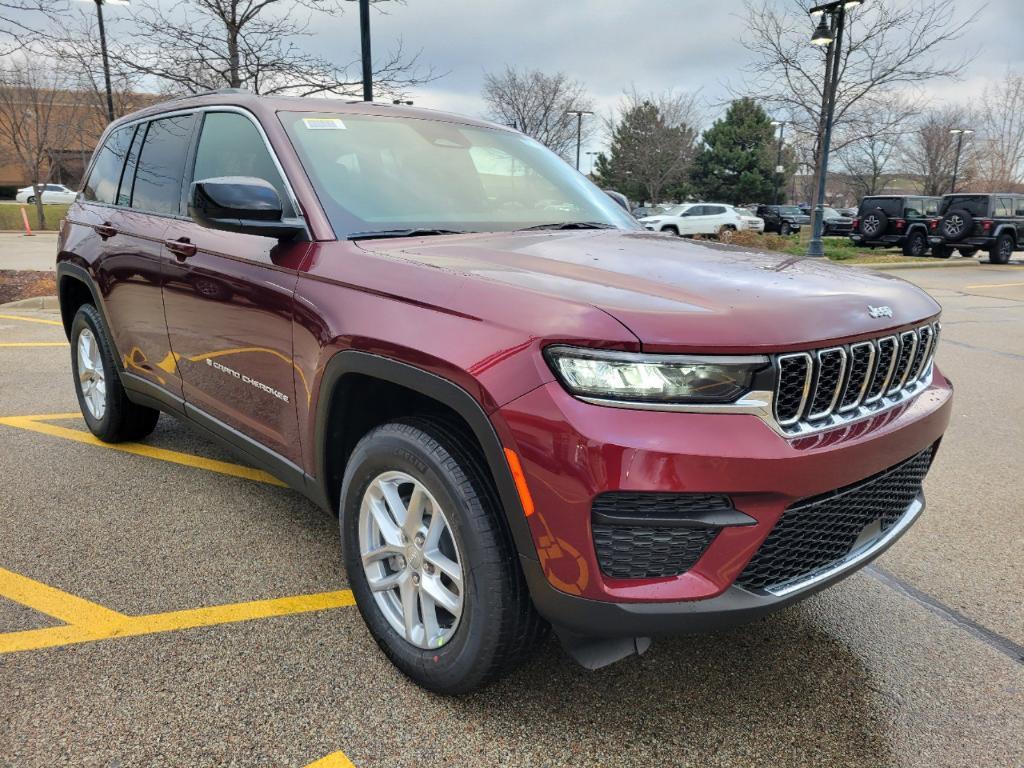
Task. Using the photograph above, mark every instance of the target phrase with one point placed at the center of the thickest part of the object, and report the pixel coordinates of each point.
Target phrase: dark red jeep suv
(526, 411)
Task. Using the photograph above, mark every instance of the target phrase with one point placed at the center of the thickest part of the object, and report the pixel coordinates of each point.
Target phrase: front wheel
(785, 229)
(107, 411)
(31, 200)
(433, 570)
(1002, 249)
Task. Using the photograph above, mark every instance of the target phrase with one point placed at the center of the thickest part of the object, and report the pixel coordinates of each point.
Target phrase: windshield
(832, 213)
(394, 173)
(790, 210)
(976, 205)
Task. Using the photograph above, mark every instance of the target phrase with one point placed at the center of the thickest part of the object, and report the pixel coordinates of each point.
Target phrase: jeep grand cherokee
(525, 414)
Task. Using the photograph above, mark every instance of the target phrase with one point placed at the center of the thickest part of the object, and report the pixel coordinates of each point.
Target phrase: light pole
(781, 125)
(103, 50)
(579, 129)
(592, 155)
(364, 37)
(831, 35)
(959, 133)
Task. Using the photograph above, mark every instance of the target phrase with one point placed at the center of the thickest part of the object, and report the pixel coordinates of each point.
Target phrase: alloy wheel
(870, 225)
(92, 379)
(953, 225)
(410, 559)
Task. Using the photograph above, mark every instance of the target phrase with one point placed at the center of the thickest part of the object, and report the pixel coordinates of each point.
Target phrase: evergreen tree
(736, 163)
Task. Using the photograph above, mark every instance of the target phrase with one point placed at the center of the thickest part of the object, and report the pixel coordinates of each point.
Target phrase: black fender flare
(441, 390)
(69, 271)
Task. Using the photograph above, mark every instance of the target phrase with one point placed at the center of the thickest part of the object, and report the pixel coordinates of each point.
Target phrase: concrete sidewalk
(20, 252)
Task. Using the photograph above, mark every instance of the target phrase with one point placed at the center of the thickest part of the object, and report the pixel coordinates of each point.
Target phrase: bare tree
(21, 21)
(1001, 123)
(538, 104)
(35, 120)
(198, 45)
(653, 144)
(930, 150)
(888, 45)
(870, 159)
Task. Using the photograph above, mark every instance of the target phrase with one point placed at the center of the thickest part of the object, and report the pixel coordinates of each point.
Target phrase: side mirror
(242, 204)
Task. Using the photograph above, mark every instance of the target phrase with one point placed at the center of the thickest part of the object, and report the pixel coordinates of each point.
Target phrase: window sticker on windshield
(323, 124)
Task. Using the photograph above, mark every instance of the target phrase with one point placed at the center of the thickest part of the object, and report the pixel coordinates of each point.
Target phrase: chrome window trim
(839, 384)
(867, 376)
(807, 386)
(888, 374)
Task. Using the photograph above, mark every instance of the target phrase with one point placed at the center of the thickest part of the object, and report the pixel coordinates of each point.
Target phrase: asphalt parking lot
(163, 605)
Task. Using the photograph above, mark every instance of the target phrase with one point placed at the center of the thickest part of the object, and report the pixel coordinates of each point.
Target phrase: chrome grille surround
(785, 408)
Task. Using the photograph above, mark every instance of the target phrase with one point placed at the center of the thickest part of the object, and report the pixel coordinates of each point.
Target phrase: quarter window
(1003, 207)
(1018, 204)
(230, 145)
(161, 165)
(106, 171)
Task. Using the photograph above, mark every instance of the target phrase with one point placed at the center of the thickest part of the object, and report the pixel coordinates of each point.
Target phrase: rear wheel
(916, 244)
(31, 200)
(432, 567)
(968, 253)
(105, 406)
(942, 251)
(672, 230)
(1002, 249)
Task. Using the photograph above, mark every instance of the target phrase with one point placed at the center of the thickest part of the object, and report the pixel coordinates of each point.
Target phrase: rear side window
(890, 206)
(713, 210)
(106, 171)
(230, 145)
(1003, 207)
(976, 205)
(1018, 204)
(913, 208)
(161, 165)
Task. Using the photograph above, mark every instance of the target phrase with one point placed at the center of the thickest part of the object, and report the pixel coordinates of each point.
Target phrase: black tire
(725, 232)
(968, 253)
(671, 229)
(916, 244)
(942, 251)
(121, 419)
(1002, 249)
(956, 225)
(31, 200)
(874, 224)
(785, 229)
(498, 626)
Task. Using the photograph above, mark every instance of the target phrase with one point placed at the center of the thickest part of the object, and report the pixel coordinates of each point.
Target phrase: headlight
(638, 377)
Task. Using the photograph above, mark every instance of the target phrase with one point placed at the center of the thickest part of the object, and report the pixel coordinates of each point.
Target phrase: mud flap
(598, 652)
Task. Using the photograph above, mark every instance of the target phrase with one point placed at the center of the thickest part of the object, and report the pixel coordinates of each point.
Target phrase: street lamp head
(851, 4)
(958, 131)
(822, 34)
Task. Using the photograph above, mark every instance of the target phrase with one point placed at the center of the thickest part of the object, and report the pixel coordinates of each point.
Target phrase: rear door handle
(181, 247)
(105, 230)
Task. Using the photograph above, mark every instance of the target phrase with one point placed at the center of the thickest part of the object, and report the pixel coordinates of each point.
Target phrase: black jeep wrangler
(784, 219)
(895, 221)
(992, 222)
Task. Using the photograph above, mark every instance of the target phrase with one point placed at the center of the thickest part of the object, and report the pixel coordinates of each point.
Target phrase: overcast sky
(695, 45)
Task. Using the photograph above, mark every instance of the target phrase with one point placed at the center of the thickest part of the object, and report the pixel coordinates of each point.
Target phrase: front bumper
(572, 451)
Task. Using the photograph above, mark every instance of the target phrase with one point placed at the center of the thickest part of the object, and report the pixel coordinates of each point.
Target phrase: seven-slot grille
(814, 388)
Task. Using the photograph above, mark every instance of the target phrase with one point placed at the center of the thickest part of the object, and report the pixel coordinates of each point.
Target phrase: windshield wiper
(403, 233)
(571, 225)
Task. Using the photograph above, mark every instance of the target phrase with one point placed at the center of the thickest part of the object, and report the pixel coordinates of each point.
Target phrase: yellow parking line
(333, 760)
(153, 623)
(53, 602)
(33, 343)
(31, 320)
(996, 285)
(40, 424)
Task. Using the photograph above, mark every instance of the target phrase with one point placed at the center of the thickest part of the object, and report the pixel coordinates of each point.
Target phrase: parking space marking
(32, 320)
(333, 760)
(86, 621)
(996, 285)
(42, 424)
(33, 343)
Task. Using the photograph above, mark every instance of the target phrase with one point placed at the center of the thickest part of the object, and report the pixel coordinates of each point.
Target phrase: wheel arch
(76, 287)
(400, 389)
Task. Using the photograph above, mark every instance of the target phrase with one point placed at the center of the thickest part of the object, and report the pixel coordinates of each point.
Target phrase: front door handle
(105, 230)
(181, 248)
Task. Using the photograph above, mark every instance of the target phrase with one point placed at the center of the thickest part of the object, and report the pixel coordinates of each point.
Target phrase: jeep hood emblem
(879, 311)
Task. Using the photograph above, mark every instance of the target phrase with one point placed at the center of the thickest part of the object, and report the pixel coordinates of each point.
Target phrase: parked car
(748, 221)
(52, 193)
(784, 219)
(522, 418)
(973, 222)
(895, 221)
(688, 219)
(833, 223)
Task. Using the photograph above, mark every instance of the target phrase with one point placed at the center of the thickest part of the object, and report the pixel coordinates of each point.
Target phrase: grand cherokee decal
(247, 379)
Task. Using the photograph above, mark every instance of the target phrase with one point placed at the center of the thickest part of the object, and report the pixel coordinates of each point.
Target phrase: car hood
(680, 295)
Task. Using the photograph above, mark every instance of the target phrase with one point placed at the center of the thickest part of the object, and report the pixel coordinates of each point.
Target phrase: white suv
(697, 219)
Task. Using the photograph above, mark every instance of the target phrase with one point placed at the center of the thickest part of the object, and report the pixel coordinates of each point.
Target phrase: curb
(923, 264)
(37, 302)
